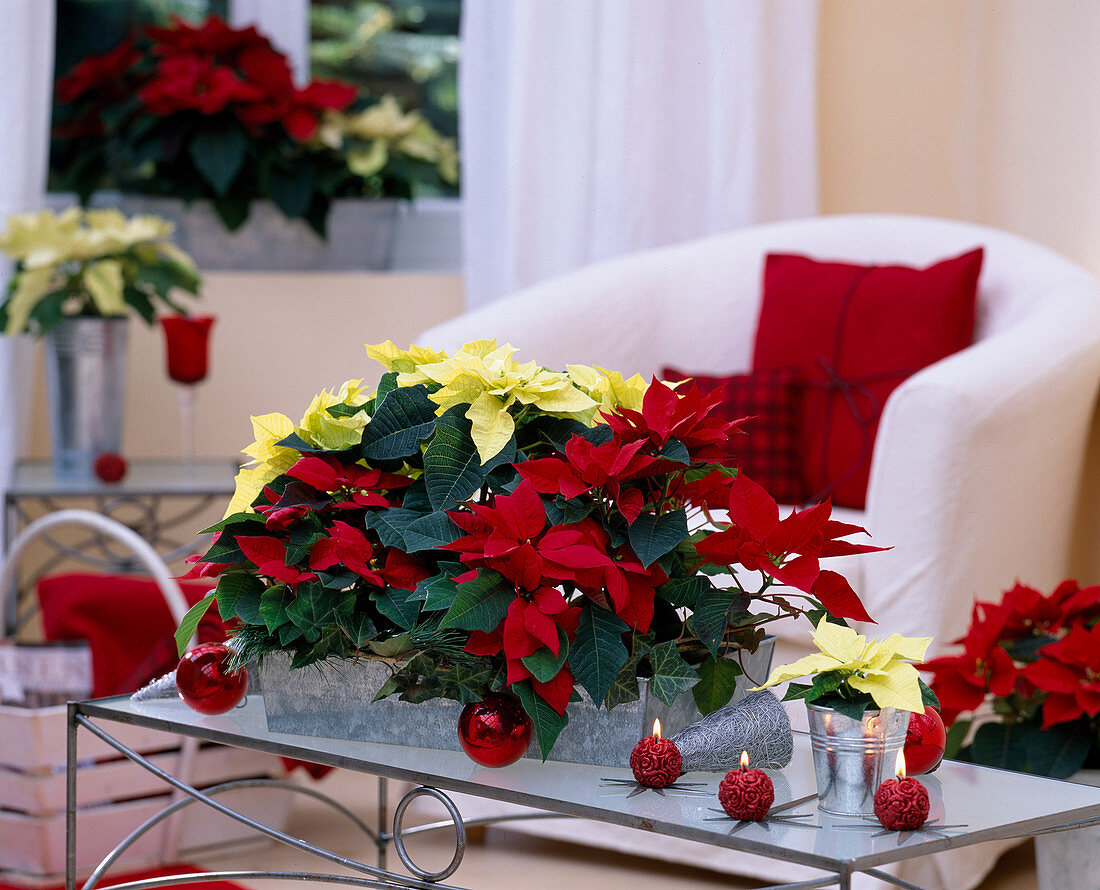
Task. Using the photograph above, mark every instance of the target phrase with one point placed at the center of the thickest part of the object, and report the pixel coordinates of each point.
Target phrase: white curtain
(286, 22)
(592, 128)
(26, 46)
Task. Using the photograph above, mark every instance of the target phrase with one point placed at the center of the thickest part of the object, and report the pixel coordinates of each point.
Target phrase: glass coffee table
(970, 804)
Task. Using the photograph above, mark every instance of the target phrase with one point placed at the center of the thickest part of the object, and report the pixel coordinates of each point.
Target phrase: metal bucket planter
(1070, 858)
(360, 235)
(336, 702)
(86, 386)
(853, 757)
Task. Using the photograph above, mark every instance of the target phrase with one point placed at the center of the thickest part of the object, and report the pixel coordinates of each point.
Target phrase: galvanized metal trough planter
(336, 702)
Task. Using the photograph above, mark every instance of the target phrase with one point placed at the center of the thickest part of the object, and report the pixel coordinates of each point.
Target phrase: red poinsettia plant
(489, 525)
(213, 112)
(1024, 693)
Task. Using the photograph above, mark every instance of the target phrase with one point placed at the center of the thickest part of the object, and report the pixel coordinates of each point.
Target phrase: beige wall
(985, 111)
(279, 339)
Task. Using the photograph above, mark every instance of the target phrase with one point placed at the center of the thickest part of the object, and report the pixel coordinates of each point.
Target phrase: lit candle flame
(656, 728)
(744, 760)
(899, 764)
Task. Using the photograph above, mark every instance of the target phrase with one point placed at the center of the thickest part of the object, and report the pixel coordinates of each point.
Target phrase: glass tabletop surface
(981, 803)
(144, 476)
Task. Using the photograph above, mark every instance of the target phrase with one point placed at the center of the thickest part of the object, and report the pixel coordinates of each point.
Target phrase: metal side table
(970, 804)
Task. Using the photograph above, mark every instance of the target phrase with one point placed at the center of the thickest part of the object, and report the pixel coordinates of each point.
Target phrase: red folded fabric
(126, 622)
(163, 871)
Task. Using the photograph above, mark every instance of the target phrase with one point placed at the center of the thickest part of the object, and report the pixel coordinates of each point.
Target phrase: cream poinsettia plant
(96, 263)
(852, 673)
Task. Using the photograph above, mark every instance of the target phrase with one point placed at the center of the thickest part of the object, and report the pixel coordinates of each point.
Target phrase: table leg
(70, 799)
(383, 817)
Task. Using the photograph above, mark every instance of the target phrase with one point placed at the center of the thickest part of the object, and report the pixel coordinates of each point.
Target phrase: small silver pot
(853, 757)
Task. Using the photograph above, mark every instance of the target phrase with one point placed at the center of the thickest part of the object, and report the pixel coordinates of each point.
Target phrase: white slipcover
(977, 465)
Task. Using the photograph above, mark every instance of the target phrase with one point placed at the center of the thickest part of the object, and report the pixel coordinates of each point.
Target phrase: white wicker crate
(114, 795)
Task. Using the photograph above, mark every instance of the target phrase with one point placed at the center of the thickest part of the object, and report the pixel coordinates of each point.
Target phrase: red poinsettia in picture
(1028, 678)
(211, 111)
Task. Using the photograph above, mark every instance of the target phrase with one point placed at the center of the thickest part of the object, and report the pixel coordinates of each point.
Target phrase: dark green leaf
(717, 681)
(684, 593)
(394, 604)
(404, 418)
(236, 518)
(233, 585)
(337, 578)
(311, 607)
(576, 510)
(547, 722)
(291, 190)
(481, 604)
(273, 604)
(797, 692)
(1002, 746)
(290, 632)
(927, 696)
(358, 626)
(851, 708)
(386, 385)
(431, 531)
(675, 450)
(956, 735)
(439, 591)
(1059, 751)
(544, 664)
(598, 653)
(219, 155)
(452, 466)
(190, 622)
(671, 674)
(391, 524)
(301, 544)
(625, 686)
(709, 619)
(652, 536)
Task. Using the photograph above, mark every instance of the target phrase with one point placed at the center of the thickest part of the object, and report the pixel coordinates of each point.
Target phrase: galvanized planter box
(336, 702)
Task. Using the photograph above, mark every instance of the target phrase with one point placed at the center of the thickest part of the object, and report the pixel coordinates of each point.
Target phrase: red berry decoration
(656, 762)
(204, 681)
(110, 467)
(901, 804)
(924, 742)
(746, 794)
(495, 731)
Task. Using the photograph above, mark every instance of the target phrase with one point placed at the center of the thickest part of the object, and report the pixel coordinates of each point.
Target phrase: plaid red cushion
(770, 451)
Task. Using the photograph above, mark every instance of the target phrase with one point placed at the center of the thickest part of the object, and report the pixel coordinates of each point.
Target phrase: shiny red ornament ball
(924, 742)
(495, 731)
(656, 762)
(204, 681)
(110, 467)
(746, 794)
(901, 804)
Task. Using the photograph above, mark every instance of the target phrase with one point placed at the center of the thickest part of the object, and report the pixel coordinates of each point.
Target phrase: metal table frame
(438, 772)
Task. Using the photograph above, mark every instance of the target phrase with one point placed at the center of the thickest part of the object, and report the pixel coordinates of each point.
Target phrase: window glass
(407, 48)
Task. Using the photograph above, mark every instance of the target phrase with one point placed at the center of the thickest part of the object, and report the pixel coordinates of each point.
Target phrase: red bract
(667, 414)
(346, 546)
(212, 36)
(359, 484)
(269, 557)
(97, 72)
(760, 541)
(1069, 672)
(403, 570)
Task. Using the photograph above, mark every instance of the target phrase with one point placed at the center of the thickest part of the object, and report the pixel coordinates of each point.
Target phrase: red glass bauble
(188, 340)
(204, 681)
(110, 467)
(656, 762)
(924, 742)
(495, 731)
(746, 794)
(901, 804)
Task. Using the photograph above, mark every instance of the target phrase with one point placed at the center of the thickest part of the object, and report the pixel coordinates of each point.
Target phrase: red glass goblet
(187, 338)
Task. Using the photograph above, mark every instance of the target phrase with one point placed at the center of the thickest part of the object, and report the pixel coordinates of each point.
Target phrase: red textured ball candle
(925, 741)
(110, 467)
(901, 804)
(745, 793)
(204, 681)
(655, 761)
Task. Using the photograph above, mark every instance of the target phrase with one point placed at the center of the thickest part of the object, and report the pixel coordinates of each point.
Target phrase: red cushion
(126, 622)
(769, 452)
(855, 333)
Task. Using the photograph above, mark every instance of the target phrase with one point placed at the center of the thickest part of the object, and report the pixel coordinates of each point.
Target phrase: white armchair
(976, 470)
